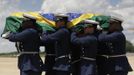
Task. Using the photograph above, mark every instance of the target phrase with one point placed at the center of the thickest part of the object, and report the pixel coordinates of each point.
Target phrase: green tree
(129, 46)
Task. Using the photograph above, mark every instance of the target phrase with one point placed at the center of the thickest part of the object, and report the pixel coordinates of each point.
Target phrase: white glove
(98, 27)
(6, 35)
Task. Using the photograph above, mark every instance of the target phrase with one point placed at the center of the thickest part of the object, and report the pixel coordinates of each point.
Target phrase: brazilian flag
(14, 21)
(73, 18)
(103, 20)
(46, 20)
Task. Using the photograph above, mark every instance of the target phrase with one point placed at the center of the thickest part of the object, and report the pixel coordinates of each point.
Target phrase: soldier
(27, 43)
(112, 58)
(61, 38)
(49, 56)
(76, 50)
(88, 44)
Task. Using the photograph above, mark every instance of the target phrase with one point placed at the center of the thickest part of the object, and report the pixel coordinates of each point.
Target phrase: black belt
(28, 53)
(50, 54)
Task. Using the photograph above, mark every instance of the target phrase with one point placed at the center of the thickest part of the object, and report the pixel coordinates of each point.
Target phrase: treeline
(10, 54)
(15, 54)
(129, 48)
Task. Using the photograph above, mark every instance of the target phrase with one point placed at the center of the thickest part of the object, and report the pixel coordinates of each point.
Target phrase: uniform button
(21, 45)
(83, 55)
(83, 52)
(82, 48)
(107, 57)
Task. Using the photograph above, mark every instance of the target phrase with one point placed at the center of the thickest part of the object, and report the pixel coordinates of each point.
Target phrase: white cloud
(124, 8)
(6, 8)
(126, 3)
(6, 46)
(74, 6)
(133, 42)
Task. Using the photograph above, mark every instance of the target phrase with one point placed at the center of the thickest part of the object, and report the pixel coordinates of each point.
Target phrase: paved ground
(8, 66)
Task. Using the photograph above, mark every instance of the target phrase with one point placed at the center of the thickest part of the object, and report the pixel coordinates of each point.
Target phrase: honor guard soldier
(49, 56)
(88, 44)
(112, 58)
(61, 38)
(27, 43)
(76, 50)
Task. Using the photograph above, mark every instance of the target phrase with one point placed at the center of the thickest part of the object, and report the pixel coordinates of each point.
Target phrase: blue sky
(30, 5)
(114, 2)
(35, 5)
